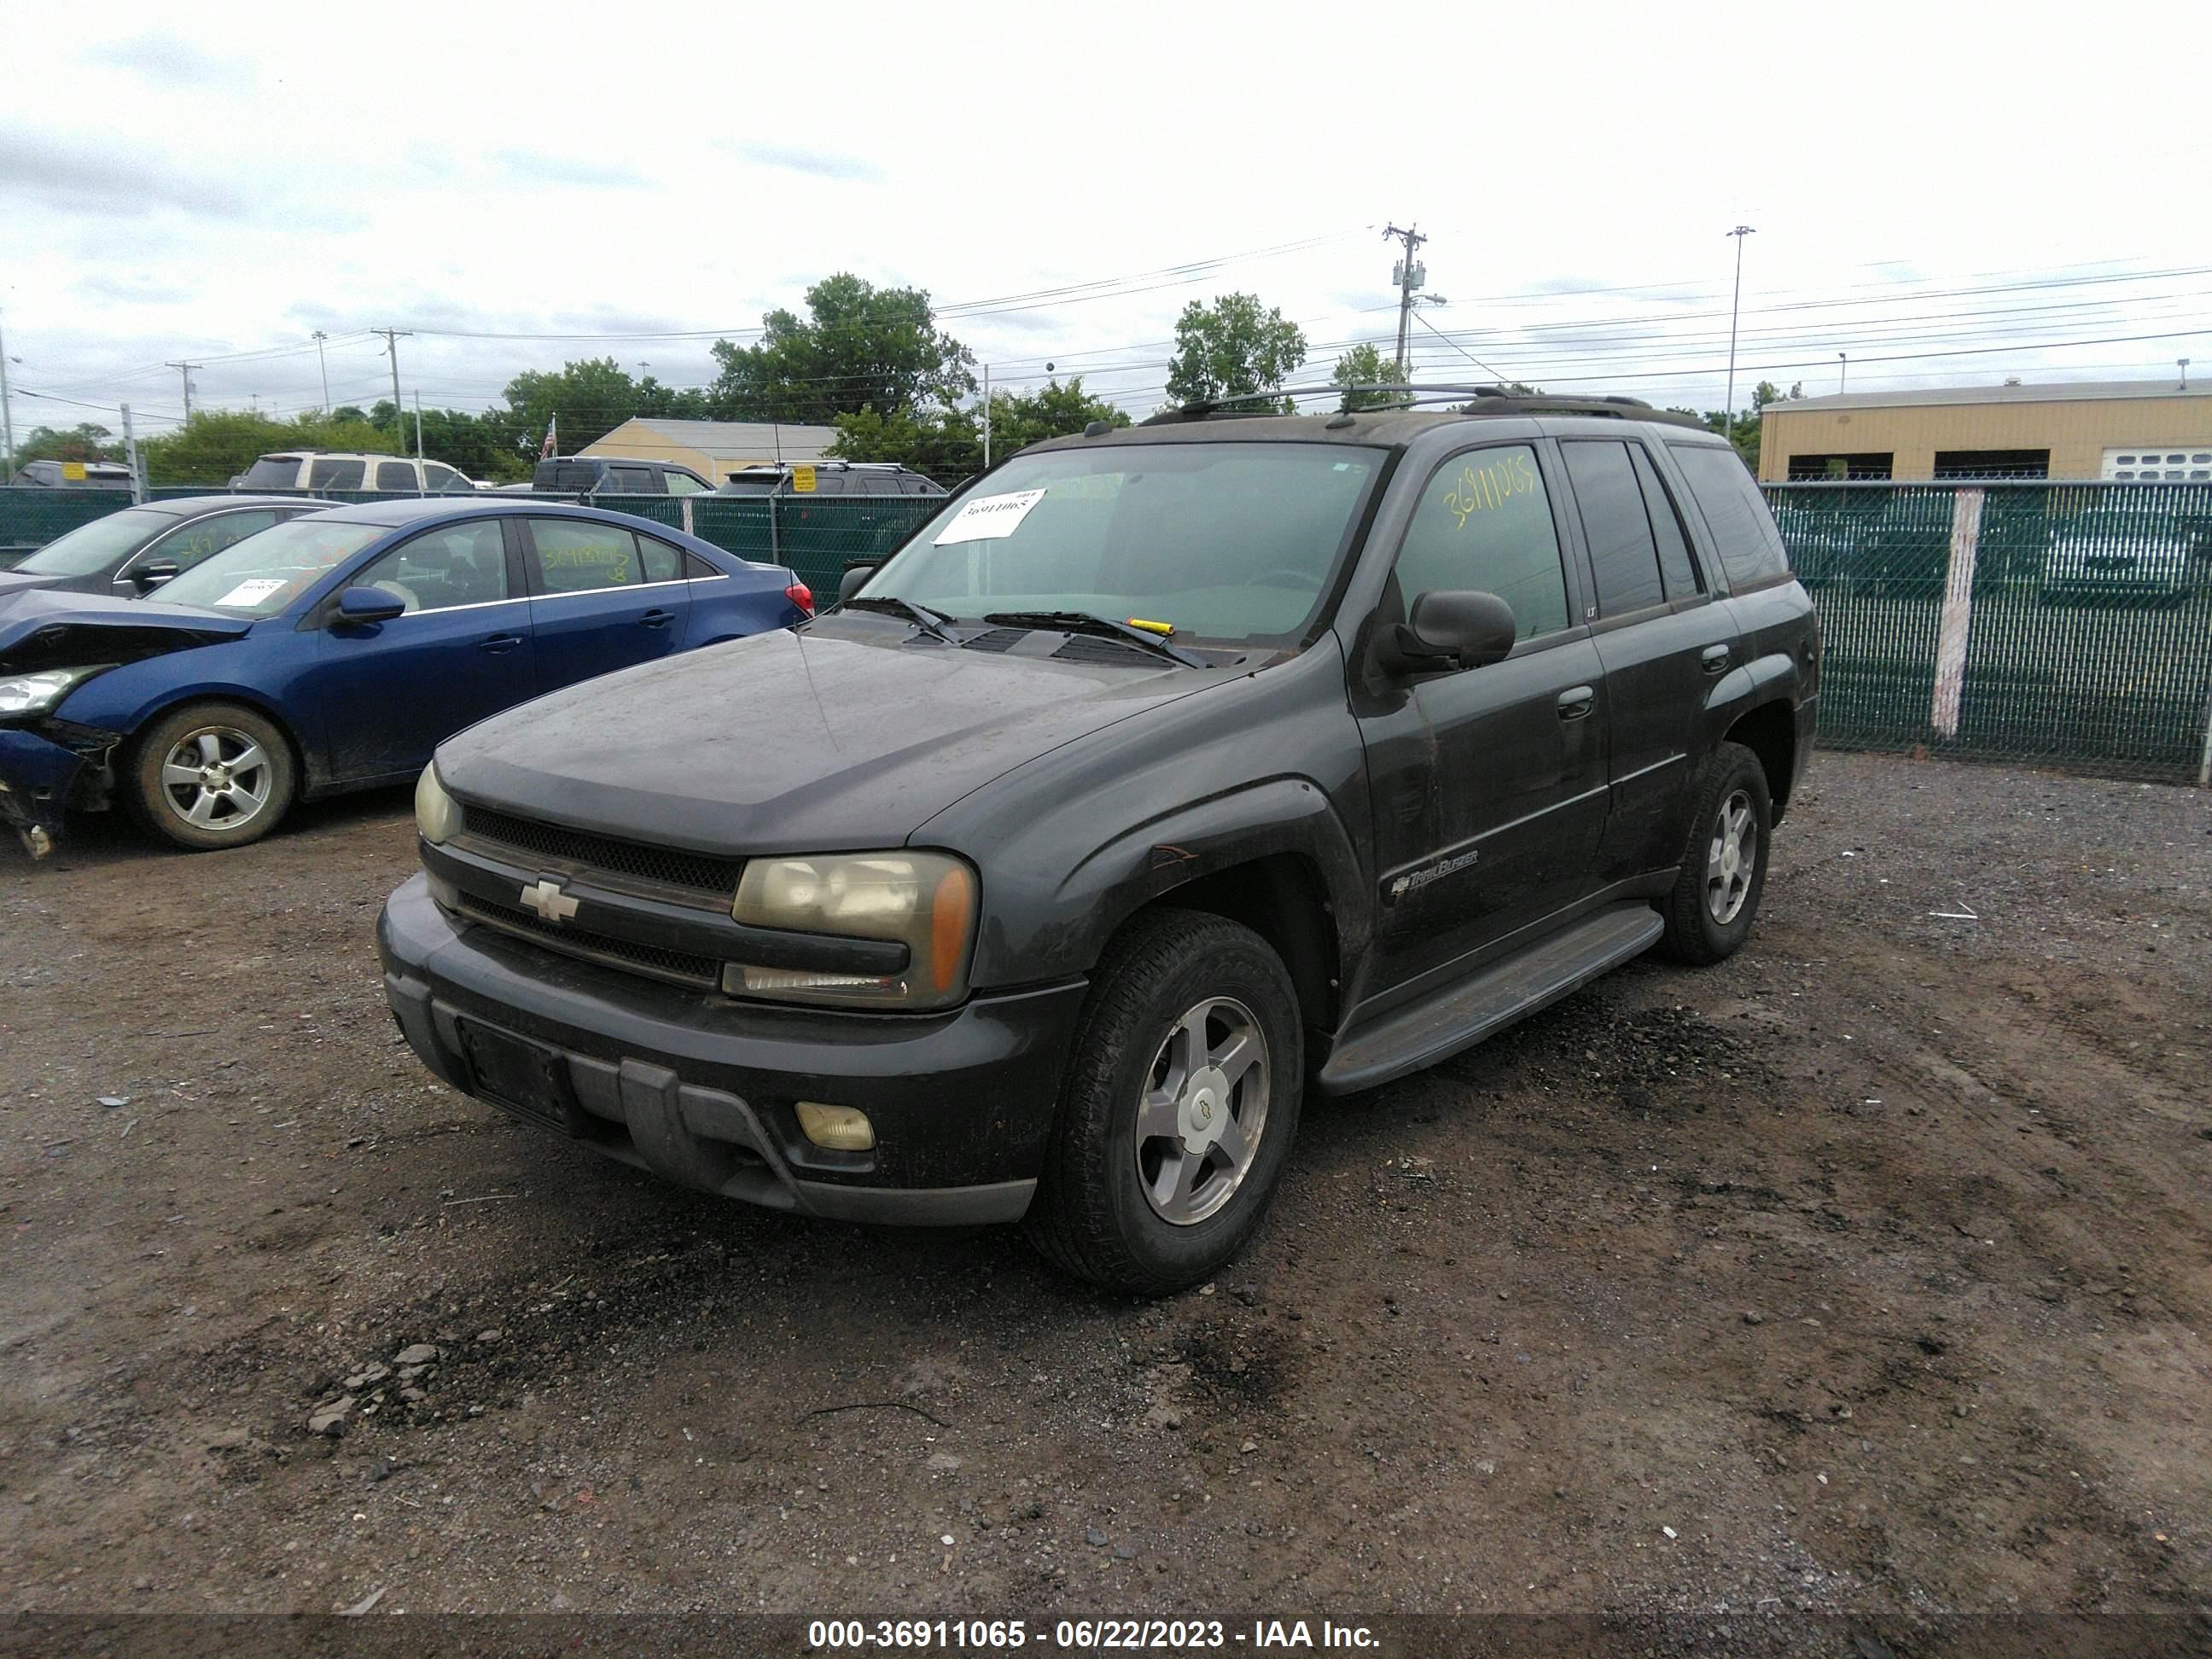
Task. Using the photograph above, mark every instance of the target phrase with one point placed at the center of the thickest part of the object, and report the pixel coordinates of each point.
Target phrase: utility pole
(1842, 370)
(7, 420)
(186, 370)
(1739, 233)
(392, 336)
(1410, 276)
(131, 456)
(322, 363)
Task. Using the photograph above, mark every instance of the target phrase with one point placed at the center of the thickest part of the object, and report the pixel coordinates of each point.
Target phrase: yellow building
(713, 449)
(2127, 429)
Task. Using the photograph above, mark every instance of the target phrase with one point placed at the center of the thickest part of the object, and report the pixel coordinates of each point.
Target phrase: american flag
(546, 450)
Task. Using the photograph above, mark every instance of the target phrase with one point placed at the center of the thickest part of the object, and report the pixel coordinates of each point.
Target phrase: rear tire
(1178, 1107)
(211, 775)
(1709, 912)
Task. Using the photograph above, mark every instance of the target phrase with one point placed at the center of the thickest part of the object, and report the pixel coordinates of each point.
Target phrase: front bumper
(698, 1089)
(36, 778)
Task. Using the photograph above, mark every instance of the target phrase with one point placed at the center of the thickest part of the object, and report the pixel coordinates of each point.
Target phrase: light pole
(1843, 369)
(1739, 233)
(2184, 362)
(323, 364)
(7, 420)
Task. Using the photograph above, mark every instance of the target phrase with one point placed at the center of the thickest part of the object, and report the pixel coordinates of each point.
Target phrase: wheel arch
(1769, 732)
(1282, 897)
(311, 780)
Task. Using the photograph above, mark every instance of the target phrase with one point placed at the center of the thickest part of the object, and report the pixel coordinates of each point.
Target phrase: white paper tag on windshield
(253, 592)
(988, 518)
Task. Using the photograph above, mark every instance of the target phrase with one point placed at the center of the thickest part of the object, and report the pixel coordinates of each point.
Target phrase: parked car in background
(135, 551)
(829, 478)
(2122, 555)
(334, 652)
(615, 475)
(321, 469)
(56, 475)
(1165, 772)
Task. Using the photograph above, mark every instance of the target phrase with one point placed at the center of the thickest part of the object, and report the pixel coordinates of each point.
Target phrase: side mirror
(854, 579)
(152, 573)
(1451, 630)
(369, 605)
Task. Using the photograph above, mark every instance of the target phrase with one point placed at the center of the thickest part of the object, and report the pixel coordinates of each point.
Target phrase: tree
(83, 442)
(216, 445)
(947, 443)
(1743, 430)
(1233, 349)
(590, 399)
(1365, 365)
(861, 347)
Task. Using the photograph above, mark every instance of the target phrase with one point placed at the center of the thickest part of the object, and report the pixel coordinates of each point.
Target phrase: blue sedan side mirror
(369, 605)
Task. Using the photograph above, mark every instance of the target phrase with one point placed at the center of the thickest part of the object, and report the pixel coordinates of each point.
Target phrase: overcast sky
(193, 183)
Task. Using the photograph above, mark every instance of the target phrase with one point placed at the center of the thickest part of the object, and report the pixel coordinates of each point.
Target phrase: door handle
(657, 618)
(1577, 702)
(1714, 658)
(499, 642)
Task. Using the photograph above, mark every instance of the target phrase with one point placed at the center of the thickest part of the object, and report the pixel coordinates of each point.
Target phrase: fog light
(836, 1129)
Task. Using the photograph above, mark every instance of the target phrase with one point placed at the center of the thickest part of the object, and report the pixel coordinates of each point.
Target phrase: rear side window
(1743, 530)
(444, 479)
(631, 480)
(197, 540)
(1485, 523)
(272, 472)
(575, 556)
(1623, 558)
(1675, 563)
(336, 475)
(395, 475)
(660, 562)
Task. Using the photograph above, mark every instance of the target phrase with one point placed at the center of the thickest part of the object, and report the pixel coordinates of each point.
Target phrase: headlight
(924, 901)
(437, 814)
(34, 694)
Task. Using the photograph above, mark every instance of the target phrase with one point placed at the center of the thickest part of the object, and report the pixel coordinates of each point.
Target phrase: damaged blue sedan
(335, 651)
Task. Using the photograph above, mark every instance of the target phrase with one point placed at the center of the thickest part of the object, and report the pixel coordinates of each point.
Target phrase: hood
(40, 628)
(847, 735)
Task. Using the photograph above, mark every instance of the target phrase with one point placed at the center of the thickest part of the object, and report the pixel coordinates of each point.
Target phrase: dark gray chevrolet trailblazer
(1166, 775)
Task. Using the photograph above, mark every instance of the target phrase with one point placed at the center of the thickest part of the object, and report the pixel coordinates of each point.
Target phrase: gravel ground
(1868, 1271)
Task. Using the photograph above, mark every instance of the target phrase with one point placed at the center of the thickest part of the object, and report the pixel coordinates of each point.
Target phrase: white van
(318, 470)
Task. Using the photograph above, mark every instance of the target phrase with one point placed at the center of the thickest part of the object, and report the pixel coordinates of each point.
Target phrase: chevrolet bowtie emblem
(549, 901)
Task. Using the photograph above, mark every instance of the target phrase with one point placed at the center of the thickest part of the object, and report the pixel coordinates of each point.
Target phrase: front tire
(1709, 912)
(215, 774)
(1178, 1109)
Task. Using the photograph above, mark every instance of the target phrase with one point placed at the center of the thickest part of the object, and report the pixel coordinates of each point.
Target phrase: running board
(1461, 1015)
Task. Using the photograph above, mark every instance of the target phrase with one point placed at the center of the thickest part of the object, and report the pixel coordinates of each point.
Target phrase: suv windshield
(93, 547)
(264, 572)
(1231, 542)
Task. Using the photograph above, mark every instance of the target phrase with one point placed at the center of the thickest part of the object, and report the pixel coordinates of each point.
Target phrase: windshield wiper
(1082, 621)
(923, 617)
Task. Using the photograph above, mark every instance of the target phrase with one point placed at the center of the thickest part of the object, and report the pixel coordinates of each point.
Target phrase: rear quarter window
(1743, 531)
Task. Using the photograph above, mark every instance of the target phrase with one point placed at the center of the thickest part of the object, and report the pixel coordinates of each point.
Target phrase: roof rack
(1490, 399)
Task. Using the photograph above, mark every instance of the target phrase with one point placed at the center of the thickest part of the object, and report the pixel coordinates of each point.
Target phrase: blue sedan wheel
(212, 775)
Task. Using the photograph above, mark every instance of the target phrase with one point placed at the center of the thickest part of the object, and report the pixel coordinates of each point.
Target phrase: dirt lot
(1868, 1271)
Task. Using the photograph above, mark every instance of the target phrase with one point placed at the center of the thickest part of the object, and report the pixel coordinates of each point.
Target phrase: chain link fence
(2048, 624)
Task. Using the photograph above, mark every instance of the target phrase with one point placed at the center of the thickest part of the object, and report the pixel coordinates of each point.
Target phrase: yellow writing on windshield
(1496, 481)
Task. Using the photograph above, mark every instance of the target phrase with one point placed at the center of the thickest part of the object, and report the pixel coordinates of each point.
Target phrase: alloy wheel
(1203, 1110)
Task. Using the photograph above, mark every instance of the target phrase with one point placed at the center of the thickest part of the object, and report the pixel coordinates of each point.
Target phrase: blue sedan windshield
(262, 574)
